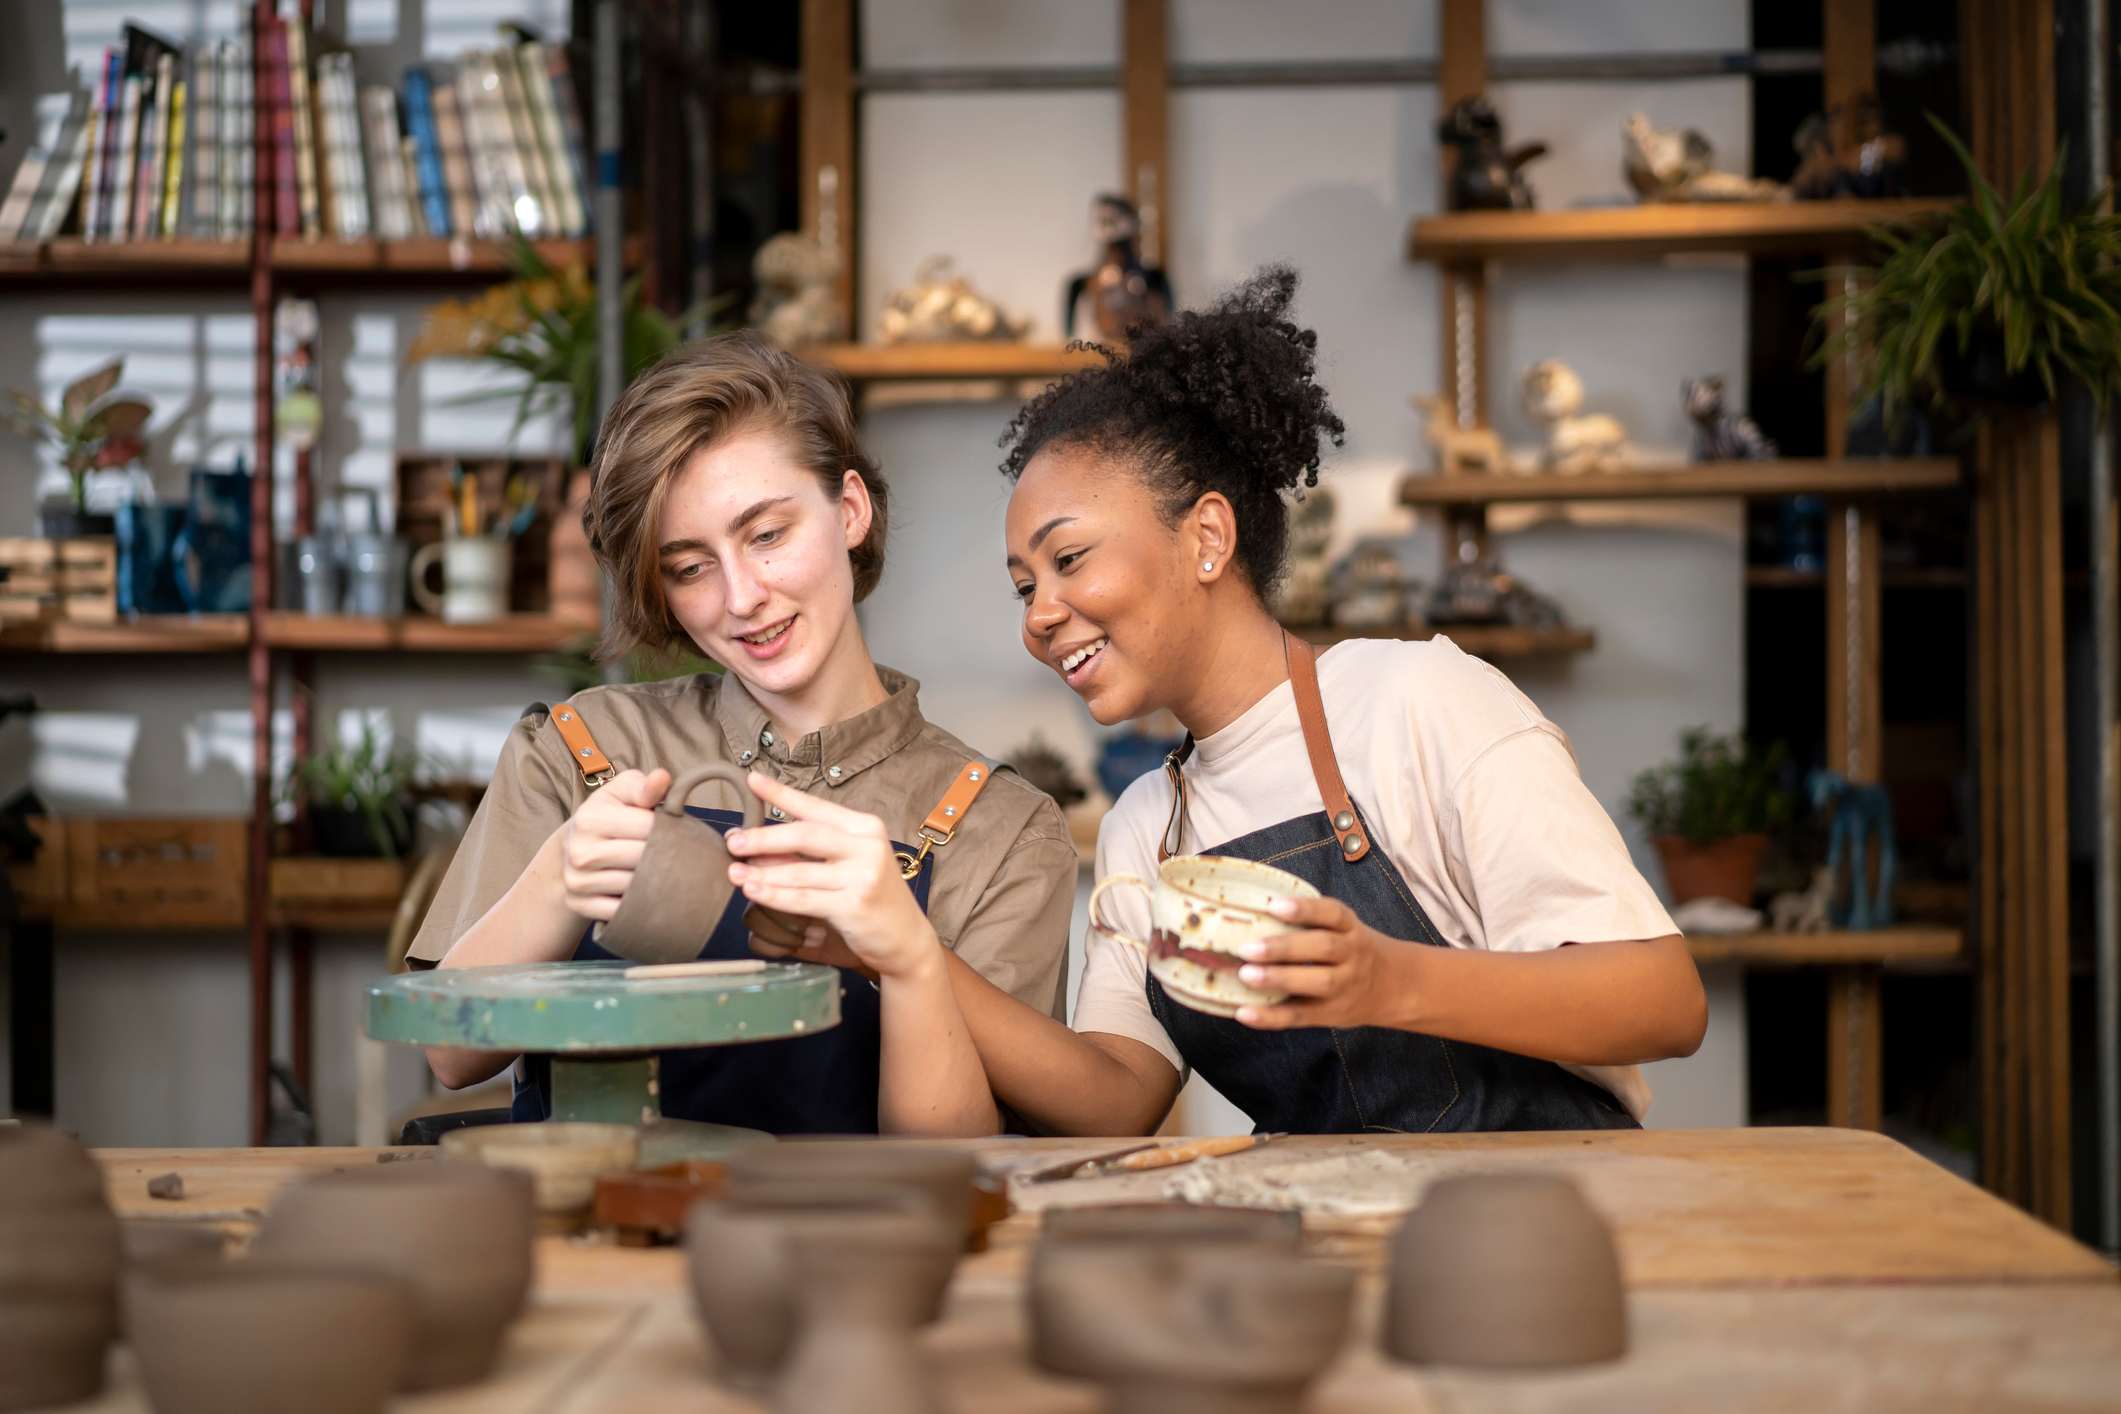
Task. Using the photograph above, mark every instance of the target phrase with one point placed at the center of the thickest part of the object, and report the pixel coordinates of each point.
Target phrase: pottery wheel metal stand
(602, 1032)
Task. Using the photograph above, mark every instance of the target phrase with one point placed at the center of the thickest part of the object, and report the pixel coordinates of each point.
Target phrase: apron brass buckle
(909, 865)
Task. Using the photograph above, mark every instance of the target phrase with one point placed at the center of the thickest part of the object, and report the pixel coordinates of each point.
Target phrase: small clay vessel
(944, 1175)
(681, 884)
(266, 1336)
(1505, 1271)
(861, 1283)
(1192, 1329)
(59, 1256)
(741, 1275)
(458, 1235)
(142, 1241)
(563, 1158)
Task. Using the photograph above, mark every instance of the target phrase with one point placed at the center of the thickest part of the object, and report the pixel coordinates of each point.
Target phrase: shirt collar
(839, 752)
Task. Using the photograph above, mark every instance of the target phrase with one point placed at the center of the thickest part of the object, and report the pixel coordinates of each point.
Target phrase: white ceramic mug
(1202, 907)
(474, 579)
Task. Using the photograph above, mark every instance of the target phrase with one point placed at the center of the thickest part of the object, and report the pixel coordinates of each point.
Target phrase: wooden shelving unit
(1782, 577)
(1653, 231)
(72, 261)
(1914, 943)
(1840, 479)
(518, 633)
(1495, 642)
(869, 363)
(173, 633)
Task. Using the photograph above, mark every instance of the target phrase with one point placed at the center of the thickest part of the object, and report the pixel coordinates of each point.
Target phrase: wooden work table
(1767, 1268)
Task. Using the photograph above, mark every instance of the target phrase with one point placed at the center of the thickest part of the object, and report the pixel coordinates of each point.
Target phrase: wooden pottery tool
(1142, 1157)
(678, 971)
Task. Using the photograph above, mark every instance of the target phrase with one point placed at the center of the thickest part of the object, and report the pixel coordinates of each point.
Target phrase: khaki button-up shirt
(1003, 888)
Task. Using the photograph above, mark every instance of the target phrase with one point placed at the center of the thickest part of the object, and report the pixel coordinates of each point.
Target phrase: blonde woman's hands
(836, 867)
(601, 843)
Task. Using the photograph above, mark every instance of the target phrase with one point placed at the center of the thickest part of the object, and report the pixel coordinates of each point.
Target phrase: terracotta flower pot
(1725, 868)
(277, 1338)
(59, 1255)
(458, 1235)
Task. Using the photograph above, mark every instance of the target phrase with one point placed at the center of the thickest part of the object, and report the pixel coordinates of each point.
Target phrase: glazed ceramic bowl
(563, 1158)
(1507, 1271)
(945, 1176)
(267, 1336)
(59, 1256)
(1190, 1327)
(458, 1236)
(1202, 909)
(738, 1260)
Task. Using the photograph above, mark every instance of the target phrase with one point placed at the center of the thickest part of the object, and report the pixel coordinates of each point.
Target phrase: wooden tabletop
(1902, 1286)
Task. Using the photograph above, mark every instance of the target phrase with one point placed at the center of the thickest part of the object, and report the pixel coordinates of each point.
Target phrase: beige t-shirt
(1472, 795)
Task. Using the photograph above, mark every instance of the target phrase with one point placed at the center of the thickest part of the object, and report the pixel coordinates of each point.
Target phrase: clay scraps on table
(166, 1185)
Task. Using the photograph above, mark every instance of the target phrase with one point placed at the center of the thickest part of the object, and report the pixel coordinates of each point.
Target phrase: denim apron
(1333, 1080)
(823, 1083)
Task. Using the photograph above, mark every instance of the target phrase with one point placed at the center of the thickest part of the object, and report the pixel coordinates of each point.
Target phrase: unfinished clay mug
(1202, 908)
(681, 885)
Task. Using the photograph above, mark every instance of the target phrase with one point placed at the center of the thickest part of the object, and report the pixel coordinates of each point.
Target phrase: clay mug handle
(673, 802)
(423, 560)
(1111, 881)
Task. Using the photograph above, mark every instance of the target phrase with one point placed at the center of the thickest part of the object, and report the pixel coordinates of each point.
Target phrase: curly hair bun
(1219, 399)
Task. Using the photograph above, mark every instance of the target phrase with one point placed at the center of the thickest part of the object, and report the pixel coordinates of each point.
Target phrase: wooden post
(1147, 159)
(1463, 289)
(827, 142)
(257, 904)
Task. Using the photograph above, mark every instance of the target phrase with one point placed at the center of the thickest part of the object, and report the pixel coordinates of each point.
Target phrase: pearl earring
(1207, 566)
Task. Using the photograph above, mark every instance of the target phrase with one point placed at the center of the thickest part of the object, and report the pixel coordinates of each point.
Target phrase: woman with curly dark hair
(1483, 954)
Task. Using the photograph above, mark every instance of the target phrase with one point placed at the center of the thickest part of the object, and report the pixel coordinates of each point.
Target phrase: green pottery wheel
(603, 1031)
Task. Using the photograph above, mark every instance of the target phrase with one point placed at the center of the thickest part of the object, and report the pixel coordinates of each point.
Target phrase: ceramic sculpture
(1486, 176)
(1721, 434)
(1576, 441)
(797, 301)
(1679, 165)
(681, 884)
(1863, 821)
(1460, 450)
(1123, 289)
(940, 307)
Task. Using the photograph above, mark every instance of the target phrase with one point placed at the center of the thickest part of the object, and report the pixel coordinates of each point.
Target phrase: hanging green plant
(1992, 301)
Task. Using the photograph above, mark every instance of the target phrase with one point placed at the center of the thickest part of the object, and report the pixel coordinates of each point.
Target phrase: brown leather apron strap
(949, 812)
(589, 758)
(1175, 825)
(1318, 744)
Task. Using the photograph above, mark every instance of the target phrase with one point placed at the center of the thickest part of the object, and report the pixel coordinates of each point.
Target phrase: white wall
(151, 1030)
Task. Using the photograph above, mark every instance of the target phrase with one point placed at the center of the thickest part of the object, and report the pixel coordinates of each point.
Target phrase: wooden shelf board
(1779, 577)
(864, 363)
(139, 264)
(1788, 477)
(1908, 943)
(518, 633)
(425, 257)
(164, 633)
(1659, 229)
(1481, 640)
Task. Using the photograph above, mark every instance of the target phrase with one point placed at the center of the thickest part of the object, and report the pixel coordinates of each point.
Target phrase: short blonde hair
(698, 396)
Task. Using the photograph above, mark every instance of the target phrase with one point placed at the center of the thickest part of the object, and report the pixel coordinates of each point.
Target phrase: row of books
(166, 145)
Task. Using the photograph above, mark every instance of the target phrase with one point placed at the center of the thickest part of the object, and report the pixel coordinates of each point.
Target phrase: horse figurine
(1861, 814)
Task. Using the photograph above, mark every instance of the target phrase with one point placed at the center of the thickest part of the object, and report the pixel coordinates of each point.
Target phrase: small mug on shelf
(474, 579)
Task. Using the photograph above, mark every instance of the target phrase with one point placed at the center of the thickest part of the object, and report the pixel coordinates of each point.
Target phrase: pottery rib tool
(1071, 1167)
(1171, 1155)
(673, 971)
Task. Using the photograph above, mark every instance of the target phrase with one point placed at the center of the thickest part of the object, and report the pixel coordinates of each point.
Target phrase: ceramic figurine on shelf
(1304, 595)
(1120, 291)
(1459, 450)
(1488, 176)
(796, 303)
(1576, 441)
(1804, 911)
(1374, 585)
(1863, 818)
(1680, 166)
(1873, 165)
(1720, 434)
(1477, 590)
(940, 307)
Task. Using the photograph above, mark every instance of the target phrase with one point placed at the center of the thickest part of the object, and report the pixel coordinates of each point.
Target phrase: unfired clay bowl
(944, 1176)
(563, 1158)
(681, 884)
(862, 1284)
(213, 1336)
(1191, 1329)
(59, 1256)
(457, 1234)
(1507, 1271)
(739, 1265)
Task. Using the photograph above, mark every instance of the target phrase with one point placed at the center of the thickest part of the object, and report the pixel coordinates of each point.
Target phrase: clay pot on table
(681, 885)
(1223, 1328)
(862, 1283)
(59, 1256)
(1505, 1271)
(943, 1176)
(744, 1275)
(564, 1159)
(458, 1235)
(266, 1336)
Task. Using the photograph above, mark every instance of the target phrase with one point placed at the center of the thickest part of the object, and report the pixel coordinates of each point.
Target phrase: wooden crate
(425, 501)
(53, 579)
(40, 884)
(155, 873)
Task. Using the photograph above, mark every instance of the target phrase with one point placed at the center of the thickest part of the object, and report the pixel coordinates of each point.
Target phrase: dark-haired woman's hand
(1337, 969)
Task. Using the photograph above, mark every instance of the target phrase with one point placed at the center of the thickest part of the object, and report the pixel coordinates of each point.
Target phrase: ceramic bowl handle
(682, 788)
(1111, 881)
(424, 559)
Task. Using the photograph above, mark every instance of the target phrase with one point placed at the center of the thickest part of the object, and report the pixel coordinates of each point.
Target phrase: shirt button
(773, 812)
(766, 738)
(745, 758)
(834, 772)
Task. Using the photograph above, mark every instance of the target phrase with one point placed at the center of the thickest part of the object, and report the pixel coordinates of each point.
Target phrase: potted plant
(94, 428)
(360, 797)
(1709, 814)
(1993, 302)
